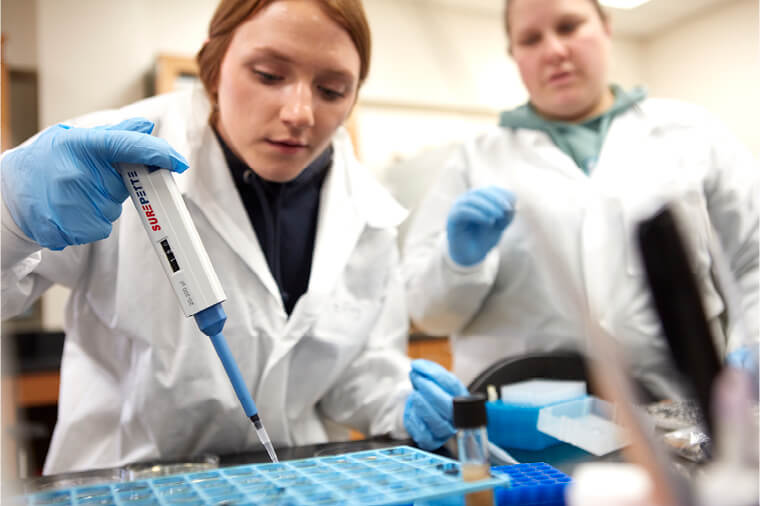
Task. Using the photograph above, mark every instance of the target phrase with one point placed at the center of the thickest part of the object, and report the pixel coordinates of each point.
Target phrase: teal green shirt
(580, 141)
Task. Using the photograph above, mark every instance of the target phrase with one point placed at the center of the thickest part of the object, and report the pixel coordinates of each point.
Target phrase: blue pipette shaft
(236, 378)
(211, 322)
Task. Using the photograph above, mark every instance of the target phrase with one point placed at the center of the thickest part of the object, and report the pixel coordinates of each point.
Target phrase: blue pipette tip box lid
(397, 475)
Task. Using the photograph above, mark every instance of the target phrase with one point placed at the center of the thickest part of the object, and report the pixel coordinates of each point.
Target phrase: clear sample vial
(472, 444)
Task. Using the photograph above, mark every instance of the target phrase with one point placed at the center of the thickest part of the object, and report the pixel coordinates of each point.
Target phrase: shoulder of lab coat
(669, 113)
(373, 201)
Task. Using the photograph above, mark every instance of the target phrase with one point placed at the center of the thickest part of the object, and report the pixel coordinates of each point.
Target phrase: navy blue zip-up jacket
(284, 217)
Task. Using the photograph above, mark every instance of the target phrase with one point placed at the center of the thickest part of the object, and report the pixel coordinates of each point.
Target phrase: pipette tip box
(513, 420)
(537, 484)
(397, 475)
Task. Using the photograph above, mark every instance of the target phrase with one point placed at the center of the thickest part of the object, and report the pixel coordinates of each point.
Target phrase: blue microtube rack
(537, 484)
(397, 475)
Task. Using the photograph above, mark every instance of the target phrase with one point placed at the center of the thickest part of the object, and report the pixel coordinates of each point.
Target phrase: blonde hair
(597, 6)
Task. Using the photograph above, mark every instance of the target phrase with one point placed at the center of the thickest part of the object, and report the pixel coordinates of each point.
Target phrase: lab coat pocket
(337, 337)
(346, 319)
(690, 208)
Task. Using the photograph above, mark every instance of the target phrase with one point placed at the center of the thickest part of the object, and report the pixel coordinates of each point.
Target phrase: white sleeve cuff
(15, 244)
(486, 267)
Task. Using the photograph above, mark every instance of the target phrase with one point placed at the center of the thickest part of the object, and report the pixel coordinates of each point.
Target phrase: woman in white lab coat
(300, 234)
(585, 161)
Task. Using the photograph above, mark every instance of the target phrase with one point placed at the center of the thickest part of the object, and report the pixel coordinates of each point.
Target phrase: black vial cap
(470, 411)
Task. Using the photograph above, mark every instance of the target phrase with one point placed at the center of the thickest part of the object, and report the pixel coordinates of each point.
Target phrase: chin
(275, 171)
(280, 175)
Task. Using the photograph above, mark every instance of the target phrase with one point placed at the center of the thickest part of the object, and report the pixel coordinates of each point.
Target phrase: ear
(607, 25)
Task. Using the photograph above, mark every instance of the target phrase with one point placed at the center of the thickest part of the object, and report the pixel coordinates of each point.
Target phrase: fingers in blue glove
(744, 357)
(122, 146)
(499, 200)
(470, 213)
(141, 125)
(63, 188)
(440, 375)
(423, 423)
(476, 222)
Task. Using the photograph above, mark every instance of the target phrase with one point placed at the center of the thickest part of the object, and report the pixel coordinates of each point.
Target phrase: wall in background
(712, 60)
(96, 54)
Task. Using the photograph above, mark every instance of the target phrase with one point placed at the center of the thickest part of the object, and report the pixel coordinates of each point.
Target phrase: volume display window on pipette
(169, 255)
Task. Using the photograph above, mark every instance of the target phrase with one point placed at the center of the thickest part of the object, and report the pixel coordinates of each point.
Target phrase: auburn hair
(230, 14)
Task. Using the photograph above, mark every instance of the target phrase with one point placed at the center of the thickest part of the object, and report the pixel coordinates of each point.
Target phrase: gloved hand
(429, 411)
(63, 189)
(476, 221)
(745, 358)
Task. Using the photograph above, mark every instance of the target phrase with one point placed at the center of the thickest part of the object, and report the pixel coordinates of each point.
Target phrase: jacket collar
(351, 200)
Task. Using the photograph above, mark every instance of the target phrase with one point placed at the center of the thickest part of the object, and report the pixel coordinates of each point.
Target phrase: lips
(560, 77)
(288, 143)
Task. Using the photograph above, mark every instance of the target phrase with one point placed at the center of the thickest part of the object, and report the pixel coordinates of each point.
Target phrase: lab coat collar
(539, 146)
(209, 185)
(351, 200)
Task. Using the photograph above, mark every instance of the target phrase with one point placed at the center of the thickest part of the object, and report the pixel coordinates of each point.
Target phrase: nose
(297, 110)
(555, 48)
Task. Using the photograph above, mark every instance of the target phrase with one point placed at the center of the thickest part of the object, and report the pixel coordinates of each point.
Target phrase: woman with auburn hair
(300, 234)
(585, 161)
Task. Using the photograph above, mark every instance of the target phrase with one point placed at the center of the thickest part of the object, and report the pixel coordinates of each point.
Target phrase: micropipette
(188, 268)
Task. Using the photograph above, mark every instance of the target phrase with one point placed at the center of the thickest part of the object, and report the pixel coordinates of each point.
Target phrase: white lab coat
(138, 379)
(509, 304)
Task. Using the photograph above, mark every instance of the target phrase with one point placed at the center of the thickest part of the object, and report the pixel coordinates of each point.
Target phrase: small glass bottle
(472, 445)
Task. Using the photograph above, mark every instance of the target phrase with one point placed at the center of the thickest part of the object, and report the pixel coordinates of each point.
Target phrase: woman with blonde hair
(585, 161)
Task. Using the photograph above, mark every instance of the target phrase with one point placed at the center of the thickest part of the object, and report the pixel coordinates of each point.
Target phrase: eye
(330, 94)
(266, 77)
(567, 27)
(530, 39)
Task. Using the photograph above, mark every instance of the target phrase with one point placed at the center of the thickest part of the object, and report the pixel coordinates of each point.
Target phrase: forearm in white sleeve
(443, 296)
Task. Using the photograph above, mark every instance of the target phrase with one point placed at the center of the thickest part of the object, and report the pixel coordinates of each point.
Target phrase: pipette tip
(270, 452)
(263, 437)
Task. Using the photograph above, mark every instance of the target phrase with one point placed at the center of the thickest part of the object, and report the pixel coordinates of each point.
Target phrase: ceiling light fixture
(623, 4)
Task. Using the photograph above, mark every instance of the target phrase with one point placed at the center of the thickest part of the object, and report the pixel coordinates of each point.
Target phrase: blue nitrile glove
(63, 189)
(745, 358)
(476, 221)
(429, 410)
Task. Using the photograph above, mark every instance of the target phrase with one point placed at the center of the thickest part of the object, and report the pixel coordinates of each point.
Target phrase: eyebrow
(277, 55)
